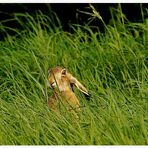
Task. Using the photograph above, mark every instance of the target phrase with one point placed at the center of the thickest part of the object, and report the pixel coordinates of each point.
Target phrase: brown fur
(61, 82)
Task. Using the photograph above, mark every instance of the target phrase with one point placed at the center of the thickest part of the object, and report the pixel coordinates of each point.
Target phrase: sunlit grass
(113, 66)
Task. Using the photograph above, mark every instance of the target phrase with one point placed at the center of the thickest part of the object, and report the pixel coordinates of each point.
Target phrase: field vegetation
(113, 65)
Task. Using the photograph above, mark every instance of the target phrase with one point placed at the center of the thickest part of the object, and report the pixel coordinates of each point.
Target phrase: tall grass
(112, 65)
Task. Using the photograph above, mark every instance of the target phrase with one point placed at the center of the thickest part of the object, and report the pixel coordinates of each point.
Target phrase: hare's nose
(48, 85)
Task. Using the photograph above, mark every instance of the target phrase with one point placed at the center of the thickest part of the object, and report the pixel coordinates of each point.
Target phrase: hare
(62, 83)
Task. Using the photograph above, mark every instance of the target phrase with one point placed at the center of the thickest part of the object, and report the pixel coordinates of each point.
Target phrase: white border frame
(73, 1)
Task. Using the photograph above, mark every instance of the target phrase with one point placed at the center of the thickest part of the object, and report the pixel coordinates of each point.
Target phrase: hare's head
(57, 79)
(62, 80)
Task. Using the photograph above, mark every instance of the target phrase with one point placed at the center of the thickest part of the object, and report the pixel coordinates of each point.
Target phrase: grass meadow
(113, 66)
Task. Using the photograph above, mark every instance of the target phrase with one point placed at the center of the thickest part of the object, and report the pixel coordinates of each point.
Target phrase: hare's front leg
(52, 103)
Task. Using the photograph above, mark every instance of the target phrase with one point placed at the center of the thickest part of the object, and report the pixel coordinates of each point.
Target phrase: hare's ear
(63, 72)
(74, 81)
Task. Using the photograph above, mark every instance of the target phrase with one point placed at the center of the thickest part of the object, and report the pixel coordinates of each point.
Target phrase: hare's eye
(53, 84)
